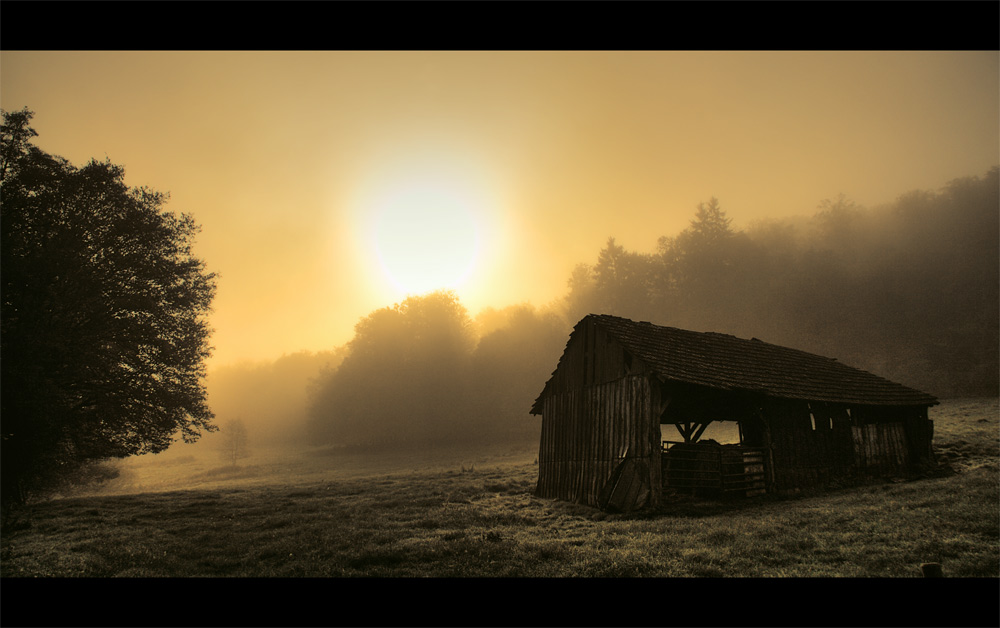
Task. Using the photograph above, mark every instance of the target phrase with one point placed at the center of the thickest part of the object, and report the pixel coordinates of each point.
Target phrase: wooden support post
(685, 430)
(768, 453)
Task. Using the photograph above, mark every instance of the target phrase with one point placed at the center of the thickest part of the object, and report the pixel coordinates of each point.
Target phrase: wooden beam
(661, 407)
(685, 430)
(701, 430)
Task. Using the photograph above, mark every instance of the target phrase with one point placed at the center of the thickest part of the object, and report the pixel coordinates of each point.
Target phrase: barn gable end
(601, 442)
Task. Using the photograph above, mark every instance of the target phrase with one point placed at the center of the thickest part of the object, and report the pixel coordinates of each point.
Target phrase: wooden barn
(625, 412)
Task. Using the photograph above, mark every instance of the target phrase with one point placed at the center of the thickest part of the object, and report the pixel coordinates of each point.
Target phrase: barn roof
(725, 362)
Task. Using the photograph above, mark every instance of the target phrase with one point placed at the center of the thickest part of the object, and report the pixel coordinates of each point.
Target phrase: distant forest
(909, 291)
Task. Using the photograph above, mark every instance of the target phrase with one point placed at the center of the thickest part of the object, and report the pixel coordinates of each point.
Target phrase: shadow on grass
(686, 505)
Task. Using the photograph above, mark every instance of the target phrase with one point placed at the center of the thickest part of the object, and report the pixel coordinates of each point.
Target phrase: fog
(404, 240)
(908, 290)
(295, 162)
(270, 398)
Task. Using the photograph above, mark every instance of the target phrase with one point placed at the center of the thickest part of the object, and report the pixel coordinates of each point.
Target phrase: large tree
(404, 380)
(622, 280)
(104, 331)
(509, 367)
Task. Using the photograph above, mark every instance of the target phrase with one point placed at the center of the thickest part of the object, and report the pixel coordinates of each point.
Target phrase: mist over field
(907, 290)
(285, 313)
(466, 513)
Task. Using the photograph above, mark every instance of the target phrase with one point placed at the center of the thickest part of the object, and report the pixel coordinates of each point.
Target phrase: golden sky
(330, 184)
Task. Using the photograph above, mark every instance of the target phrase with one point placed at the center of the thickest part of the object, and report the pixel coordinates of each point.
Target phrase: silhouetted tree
(710, 225)
(622, 280)
(509, 366)
(581, 299)
(103, 329)
(701, 254)
(698, 274)
(403, 379)
(910, 291)
(235, 443)
(839, 223)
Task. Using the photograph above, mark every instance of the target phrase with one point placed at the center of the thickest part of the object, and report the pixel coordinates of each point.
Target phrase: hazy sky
(330, 184)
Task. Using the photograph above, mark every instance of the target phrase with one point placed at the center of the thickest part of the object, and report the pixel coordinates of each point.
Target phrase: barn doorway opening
(722, 432)
(710, 459)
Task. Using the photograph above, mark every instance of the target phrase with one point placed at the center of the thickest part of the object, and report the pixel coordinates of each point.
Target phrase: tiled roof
(726, 362)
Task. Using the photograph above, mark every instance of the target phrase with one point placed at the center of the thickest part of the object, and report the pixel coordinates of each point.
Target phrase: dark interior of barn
(710, 446)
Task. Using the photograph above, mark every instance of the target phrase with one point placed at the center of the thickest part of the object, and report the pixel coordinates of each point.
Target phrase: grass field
(472, 514)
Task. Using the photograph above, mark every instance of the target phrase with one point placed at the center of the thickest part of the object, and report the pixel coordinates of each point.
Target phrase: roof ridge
(726, 361)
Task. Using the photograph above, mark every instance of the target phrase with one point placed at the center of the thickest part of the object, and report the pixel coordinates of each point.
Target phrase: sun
(426, 233)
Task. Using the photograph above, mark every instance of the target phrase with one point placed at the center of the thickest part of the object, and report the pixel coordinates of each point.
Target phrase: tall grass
(478, 518)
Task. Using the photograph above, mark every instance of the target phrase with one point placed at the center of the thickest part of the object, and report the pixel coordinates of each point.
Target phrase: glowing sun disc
(426, 237)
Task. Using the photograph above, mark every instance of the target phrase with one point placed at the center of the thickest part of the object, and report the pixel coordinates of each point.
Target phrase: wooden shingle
(724, 362)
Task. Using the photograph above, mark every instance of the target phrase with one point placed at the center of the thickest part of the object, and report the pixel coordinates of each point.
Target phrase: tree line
(424, 372)
(909, 290)
(105, 332)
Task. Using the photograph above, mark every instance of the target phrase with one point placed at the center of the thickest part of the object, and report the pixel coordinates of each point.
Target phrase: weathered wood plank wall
(919, 430)
(801, 455)
(592, 357)
(881, 448)
(587, 433)
(815, 443)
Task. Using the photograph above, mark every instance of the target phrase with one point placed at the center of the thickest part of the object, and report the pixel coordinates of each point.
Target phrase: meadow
(471, 514)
